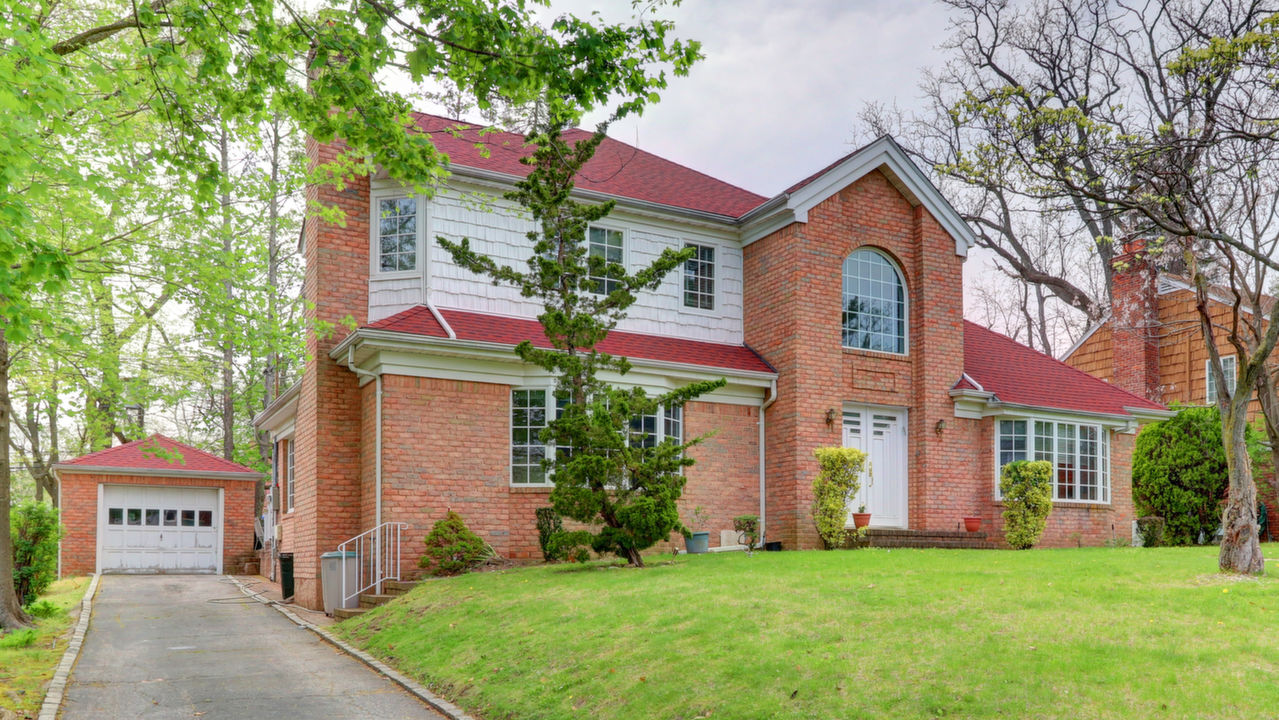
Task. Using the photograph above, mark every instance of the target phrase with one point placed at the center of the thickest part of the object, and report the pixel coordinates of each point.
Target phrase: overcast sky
(783, 80)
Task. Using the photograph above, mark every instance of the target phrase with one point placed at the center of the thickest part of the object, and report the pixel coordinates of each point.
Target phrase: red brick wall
(328, 454)
(794, 322)
(79, 514)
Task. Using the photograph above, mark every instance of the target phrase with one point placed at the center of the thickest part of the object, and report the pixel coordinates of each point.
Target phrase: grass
(1078, 633)
(29, 657)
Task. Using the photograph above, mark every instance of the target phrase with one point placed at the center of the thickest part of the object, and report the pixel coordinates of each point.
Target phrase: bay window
(1078, 452)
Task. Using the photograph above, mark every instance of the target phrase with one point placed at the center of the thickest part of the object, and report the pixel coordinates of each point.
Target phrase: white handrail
(377, 557)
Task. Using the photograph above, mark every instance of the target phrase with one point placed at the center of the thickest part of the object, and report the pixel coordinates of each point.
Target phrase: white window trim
(550, 449)
(1210, 387)
(290, 474)
(626, 247)
(713, 311)
(375, 246)
(901, 277)
(1104, 468)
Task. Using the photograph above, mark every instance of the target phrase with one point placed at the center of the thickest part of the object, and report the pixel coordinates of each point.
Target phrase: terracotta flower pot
(861, 520)
(972, 524)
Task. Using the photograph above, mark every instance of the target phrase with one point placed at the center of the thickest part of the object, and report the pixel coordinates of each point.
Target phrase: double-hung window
(609, 245)
(1227, 369)
(699, 277)
(288, 474)
(531, 410)
(396, 227)
(1079, 454)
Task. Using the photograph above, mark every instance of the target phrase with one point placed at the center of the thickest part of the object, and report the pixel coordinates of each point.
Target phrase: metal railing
(377, 557)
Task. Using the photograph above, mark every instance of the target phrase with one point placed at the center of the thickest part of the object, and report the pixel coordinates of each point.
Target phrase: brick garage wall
(725, 480)
(79, 514)
(795, 323)
(328, 453)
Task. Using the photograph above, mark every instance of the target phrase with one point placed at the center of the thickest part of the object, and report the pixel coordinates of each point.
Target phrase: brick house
(155, 505)
(1151, 343)
(833, 310)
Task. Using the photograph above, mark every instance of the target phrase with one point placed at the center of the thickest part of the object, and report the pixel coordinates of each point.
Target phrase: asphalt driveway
(185, 646)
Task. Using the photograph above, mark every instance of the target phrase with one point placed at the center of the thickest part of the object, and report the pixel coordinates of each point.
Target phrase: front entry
(881, 434)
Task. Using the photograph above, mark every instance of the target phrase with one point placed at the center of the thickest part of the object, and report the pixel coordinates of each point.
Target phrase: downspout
(763, 406)
(377, 459)
(439, 318)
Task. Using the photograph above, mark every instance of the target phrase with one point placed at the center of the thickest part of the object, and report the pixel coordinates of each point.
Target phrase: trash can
(286, 575)
(333, 566)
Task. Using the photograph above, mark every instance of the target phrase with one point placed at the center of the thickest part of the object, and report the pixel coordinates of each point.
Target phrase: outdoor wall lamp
(831, 414)
(940, 427)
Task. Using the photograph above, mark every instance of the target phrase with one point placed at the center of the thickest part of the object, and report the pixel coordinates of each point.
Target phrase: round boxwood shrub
(1179, 473)
(1027, 489)
(452, 548)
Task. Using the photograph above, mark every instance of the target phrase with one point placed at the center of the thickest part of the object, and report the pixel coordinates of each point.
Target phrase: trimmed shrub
(1151, 529)
(452, 549)
(548, 523)
(35, 531)
(1179, 473)
(1027, 489)
(835, 485)
(747, 527)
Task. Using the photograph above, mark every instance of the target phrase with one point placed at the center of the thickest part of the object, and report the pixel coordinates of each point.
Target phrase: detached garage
(155, 506)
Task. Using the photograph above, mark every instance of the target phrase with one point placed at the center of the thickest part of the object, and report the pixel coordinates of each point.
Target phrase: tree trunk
(228, 347)
(11, 614)
(1270, 412)
(1240, 550)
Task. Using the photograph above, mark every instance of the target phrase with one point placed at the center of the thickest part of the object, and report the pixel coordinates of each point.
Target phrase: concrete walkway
(186, 646)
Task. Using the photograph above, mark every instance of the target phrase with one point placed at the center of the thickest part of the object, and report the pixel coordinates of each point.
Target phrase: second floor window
(607, 244)
(699, 278)
(1227, 368)
(397, 234)
(874, 303)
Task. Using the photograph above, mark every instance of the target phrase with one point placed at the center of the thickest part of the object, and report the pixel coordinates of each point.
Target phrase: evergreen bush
(1027, 489)
(747, 527)
(1151, 529)
(34, 529)
(1179, 473)
(835, 485)
(548, 523)
(452, 548)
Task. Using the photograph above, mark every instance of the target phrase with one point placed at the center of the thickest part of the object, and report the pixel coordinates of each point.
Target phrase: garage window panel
(153, 517)
(206, 518)
(188, 518)
(171, 518)
(115, 516)
(134, 516)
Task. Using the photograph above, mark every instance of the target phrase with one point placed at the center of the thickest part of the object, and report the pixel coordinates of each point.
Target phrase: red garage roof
(1022, 376)
(616, 169)
(512, 331)
(141, 455)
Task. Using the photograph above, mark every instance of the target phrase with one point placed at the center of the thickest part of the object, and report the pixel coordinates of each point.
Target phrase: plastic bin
(333, 565)
(286, 575)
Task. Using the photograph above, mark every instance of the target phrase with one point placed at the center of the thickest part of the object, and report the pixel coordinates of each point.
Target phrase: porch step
(372, 600)
(344, 613)
(399, 587)
(954, 539)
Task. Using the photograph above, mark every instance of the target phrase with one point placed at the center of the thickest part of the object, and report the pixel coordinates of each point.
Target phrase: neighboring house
(155, 505)
(834, 311)
(1151, 343)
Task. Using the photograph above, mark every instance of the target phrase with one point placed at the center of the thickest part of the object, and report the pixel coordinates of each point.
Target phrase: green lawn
(1080, 633)
(24, 671)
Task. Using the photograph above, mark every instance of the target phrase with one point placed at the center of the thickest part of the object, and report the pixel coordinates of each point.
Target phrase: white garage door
(145, 529)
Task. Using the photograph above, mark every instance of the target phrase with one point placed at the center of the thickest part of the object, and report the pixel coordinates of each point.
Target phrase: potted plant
(972, 524)
(861, 518)
(698, 541)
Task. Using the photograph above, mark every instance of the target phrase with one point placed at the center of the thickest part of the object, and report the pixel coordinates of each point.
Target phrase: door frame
(100, 521)
(904, 412)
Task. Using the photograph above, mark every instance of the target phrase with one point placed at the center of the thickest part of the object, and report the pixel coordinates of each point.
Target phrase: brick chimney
(1134, 321)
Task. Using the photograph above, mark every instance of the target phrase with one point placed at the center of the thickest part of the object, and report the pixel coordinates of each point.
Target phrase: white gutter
(439, 318)
(178, 472)
(377, 461)
(763, 406)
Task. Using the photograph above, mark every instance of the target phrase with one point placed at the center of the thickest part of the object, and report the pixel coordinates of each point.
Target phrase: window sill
(882, 354)
(532, 489)
(1081, 505)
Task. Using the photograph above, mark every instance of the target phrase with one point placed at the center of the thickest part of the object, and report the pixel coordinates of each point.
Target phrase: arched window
(874, 303)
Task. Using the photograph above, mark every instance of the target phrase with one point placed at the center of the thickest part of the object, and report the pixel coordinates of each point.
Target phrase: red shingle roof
(616, 169)
(140, 455)
(1019, 375)
(512, 331)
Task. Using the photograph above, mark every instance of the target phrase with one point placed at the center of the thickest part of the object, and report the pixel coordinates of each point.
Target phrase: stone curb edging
(437, 703)
(56, 691)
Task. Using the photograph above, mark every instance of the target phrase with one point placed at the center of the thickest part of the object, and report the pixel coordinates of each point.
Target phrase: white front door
(152, 529)
(881, 434)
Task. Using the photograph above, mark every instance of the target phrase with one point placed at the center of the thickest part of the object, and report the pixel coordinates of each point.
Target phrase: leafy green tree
(34, 531)
(606, 472)
(1179, 473)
